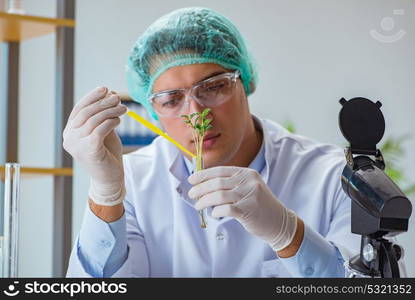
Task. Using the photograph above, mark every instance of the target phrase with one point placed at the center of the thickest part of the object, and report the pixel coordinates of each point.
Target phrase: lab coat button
(106, 244)
(309, 271)
(220, 236)
(179, 190)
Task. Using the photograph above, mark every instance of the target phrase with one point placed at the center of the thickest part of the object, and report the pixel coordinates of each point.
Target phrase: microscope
(380, 210)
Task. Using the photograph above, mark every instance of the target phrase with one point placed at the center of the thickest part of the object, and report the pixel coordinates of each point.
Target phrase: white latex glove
(241, 193)
(90, 138)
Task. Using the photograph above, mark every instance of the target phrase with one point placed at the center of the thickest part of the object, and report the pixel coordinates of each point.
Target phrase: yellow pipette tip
(157, 130)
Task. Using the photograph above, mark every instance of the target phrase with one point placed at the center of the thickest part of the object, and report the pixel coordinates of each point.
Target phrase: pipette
(157, 130)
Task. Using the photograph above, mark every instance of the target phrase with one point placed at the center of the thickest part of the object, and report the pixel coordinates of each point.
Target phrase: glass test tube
(197, 166)
(11, 220)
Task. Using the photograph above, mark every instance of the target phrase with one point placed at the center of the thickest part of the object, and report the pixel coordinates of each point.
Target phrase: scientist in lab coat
(274, 201)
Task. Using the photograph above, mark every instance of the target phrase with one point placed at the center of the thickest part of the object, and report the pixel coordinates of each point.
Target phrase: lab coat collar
(259, 123)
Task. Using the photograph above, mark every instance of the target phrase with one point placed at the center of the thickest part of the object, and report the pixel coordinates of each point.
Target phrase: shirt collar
(266, 148)
(258, 164)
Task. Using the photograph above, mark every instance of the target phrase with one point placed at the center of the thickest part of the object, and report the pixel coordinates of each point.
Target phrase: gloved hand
(90, 138)
(241, 193)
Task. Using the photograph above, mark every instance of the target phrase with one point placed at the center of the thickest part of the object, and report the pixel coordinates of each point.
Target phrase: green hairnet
(183, 37)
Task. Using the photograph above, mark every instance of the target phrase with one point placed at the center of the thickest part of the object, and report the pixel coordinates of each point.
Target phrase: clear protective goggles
(210, 92)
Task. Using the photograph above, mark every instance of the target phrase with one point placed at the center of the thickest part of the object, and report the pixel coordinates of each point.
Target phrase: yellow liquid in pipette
(157, 130)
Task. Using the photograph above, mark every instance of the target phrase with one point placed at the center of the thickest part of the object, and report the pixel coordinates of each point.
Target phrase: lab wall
(309, 54)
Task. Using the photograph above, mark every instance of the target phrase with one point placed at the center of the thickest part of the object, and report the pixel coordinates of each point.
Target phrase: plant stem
(199, 167)
(199, 127)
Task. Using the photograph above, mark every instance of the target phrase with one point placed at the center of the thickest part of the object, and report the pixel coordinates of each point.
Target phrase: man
(275, 206)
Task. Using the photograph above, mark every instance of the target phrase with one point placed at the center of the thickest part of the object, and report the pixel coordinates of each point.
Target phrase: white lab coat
(165, 238)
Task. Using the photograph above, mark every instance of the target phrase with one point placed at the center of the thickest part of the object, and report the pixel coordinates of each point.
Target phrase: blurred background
(309, 53)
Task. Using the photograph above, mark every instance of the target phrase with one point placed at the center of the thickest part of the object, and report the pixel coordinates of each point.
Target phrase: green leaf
(289, 126)
(199, 125)
(205, 112)
(394, 174)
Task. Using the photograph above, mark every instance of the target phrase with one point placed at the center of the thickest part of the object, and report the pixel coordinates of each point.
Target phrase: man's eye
(171, 103)
(215, 86)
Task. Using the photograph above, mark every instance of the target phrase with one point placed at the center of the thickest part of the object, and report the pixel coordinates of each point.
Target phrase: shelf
(15, 27)
(40, 171)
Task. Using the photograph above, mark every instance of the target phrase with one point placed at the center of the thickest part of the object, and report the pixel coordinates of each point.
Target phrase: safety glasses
(210, 92)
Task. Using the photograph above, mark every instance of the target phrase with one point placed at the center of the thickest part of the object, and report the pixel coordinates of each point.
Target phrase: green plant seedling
(199, 124)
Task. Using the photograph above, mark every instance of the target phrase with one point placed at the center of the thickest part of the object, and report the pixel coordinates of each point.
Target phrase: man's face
(229, 120)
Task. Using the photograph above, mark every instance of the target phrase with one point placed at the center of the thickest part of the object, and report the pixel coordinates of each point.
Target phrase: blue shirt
(160, 236)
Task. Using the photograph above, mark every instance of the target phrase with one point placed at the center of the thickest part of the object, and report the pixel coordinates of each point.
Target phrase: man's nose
(193, 105)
